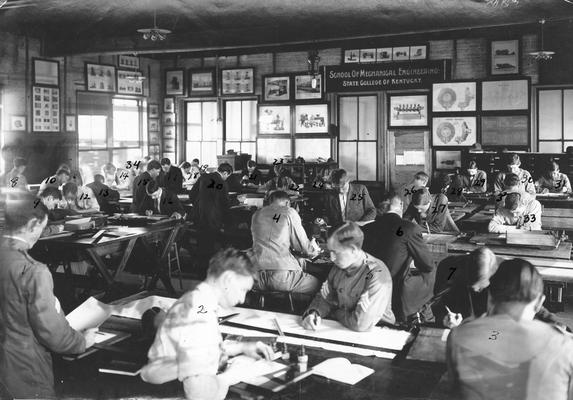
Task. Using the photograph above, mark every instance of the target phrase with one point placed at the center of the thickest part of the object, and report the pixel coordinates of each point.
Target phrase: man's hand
(257, 350)
(149, 213)
(176, 215)
(451, 320)
(312, 321)
(89, 336)
(324, 290)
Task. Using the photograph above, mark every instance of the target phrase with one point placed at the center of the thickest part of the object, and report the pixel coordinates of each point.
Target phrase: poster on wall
(45, 109)
(303, 89)
(454, 131)
(454, 97)
(448, 159)
(130, 82)
(276, 88)
(100, 78)
(46, 72)
(505, 95)
(505, 130)
(408, 110)
(311, 118)
(274, 119)
(238, 81)
(504, 57)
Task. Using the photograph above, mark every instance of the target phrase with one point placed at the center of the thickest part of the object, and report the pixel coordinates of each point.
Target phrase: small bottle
(302, 360)
(286, 354)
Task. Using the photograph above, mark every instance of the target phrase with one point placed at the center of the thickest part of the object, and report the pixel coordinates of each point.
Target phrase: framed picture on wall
(505, 130)
(130, 82)
(351, 56)
(17, 122)
(45, 109)
(100, 78)
(454, 97)
(169, 145)
(401, 53)
(237, 81)
(175, 82)
(384, 54)
(274, 119)
(153, 110)
(153, 137)
(367, 55)
(153, 125)
(276, 88)
(168, 119)
(169, 132)
(448, 159)
(303, 89)
(202, 82)
(511, 94)
(408, 110)
(311, 118)
(70, 123)
(454, 131)
(419, 52)
(125, 61)
(168, 105)
(46, 72)
(504, 55)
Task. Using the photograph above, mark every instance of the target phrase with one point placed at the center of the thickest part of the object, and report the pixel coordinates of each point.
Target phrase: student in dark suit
(171, 177)
(431, 212)
(103, 193)
(397, 243)
(347, 202)
(161, 201)
(141, 181)
(252, 176)
(473, 180)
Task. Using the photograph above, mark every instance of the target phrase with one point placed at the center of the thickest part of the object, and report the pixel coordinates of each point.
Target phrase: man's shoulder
(377, 266)
(358, 187)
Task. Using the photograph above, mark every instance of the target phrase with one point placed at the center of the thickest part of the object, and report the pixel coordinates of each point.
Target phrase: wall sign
(373, 77)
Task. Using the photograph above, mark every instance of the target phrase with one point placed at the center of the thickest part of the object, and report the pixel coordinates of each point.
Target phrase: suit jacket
(359, 206)
(397, 243)
(168, 204)
(438, 216)
(172, 180)
(104, 194)
(526, 183)
(211, 201)
(477, 184)
(138, 191)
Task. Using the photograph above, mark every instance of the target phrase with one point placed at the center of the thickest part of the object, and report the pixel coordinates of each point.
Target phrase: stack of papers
(341, 370)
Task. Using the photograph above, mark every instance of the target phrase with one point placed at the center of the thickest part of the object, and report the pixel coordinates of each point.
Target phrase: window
(241, 126)
(555, 120)
(203, 135)
(357, 146)
(109, 130)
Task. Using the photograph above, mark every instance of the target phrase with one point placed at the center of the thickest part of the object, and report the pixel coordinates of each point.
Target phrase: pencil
(448, 310)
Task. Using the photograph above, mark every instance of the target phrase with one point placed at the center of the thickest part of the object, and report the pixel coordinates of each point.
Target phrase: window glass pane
(550, 147)
(125, 123)
(568, 117)
(120, 157)
(347, 157)
(233, 120)
(92, 131)
(91, 163)
(209, 153)
(193, 121)
(236, 146)
(348, 118)
(367, 118)
(249, 120)
(269, 149)
(249, 148)
(366, 161)
(311, 149)
(210, 128)
(193, 150)
(550, 114)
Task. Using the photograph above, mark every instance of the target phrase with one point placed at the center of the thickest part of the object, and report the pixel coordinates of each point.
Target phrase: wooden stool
(170, 259)
(263, 293)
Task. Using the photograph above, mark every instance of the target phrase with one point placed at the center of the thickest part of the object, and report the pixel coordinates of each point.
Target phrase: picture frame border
(13, 118)
(34, 78)
(318, 99)
(505, 110)
(137, 72)
(183, 82)
(491, 57)
(454, 115)
(70, 117)
(32, 127)
(406, 94)
(435, 158)
(252, 92)
(131, 67)
(290, 85)
(211, 92)
(310, 134)
(277, 135)
(155, 115)
(165, 110)
(100, 65)
(462, 113)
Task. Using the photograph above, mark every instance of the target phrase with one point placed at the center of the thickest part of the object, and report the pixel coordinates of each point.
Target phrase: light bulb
(313, 82)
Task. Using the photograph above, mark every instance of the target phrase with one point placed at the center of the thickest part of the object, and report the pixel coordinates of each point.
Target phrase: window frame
(562, 140)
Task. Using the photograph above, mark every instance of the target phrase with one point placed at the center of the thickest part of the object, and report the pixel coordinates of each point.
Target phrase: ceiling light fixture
(542, 55)
(154, 34)
(313, 60)
(501, 3)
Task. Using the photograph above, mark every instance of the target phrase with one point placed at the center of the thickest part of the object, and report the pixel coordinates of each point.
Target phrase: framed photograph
(202, 82)
(100, 78)
(168, 119)
(45, 109)
(401, 53)
(454, 131)
(169, 132)
(169, 145)
(311, 118)
(303, 89)
(367, 55)
(169, 155)
(168, 104)
(505, 130)
(351, 56)
(238, 81)
(448, 159)
(153, 137)
(153, 125)
(274, 119)
(276, 88)
(46, 72)
(153, 110)
(17, 122)
(454, 97)
(504, 56)
(125, 61)
(70, 123)
(505, 95)
(408, 110)
(384, 54)
(154, 150)
(419, 52)
(174, 82)
(129, 82)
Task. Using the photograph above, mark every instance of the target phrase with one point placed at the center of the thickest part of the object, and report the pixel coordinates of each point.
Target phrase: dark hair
(251, 163)
(153, 164)
(51, 191)
(230, 259)
(70, 187)
(225, 167)
(387, 200)
(66, 167)
(511, 180)
(185, 165)
(109, 167)
(422, 174)
(337, 175)
(195, 160)
(512, 159)
(421, 197)
(151, 187)
(552, 165)
(512, 201)
(21, 208)
(278, 195)
(63, 171)
(472, 164)
(99, 178)
(20, 162)
(515, 280)
(481, 267)
(165, 161)
(348, 235)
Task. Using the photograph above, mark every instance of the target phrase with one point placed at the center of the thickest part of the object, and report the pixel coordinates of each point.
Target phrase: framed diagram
(408, 110)
(276, 88)
(274, 119)
(454, 131)
(454, 96)
(311, 118)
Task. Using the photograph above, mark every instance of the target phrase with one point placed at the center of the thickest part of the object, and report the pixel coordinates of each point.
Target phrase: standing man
(431, 212)
(398, 243)
(358, 291)
(32, 323)
(141, 181)
(15, 179)
(513, 163)
(171, 177)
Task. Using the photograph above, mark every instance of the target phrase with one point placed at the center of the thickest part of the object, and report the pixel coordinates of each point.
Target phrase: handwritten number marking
(453, 269)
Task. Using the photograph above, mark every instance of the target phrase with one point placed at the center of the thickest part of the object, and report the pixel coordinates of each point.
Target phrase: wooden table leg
(125, 258)
(100, 266)
(161, 273)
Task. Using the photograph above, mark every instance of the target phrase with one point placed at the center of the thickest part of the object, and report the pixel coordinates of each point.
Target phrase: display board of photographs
(385, 54)
(125, 61)
(45, 109)
(237, 81)
(100, 78)
(129, 82)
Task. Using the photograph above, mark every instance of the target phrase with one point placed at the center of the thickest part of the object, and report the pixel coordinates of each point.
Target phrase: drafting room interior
(382, 169)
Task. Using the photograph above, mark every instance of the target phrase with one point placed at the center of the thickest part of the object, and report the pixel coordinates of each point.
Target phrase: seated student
(161, 201)
(512, 184)
(347, 201)
(397, 243)
(109, 172)
(553, 181)
(152, 173)
(188, 344)
(358, 291)
(431, 212)
(252, 176)
(516, 213)
(473, 180)
(276, 229)
(171, 177)
(15, 178)
(195, 162)
(103, 193)
(281, 181)
(185, 168)
(506, 354)
(32, 321)
(51, 198)
(62, 176)
(525, 180)
(419, 181)
(80, 198)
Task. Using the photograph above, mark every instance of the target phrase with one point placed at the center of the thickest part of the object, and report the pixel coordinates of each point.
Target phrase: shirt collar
(18, 242)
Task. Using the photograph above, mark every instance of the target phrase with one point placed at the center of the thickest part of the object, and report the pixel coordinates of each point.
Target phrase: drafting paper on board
(507, 130)
(505, 95)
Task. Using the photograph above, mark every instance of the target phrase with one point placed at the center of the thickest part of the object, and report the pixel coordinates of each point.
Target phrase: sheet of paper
(400, 159)
(136, 308)
(79, 221)
(255, 374)
(90, 314)
(103, 336)
(341, 370)
(414, 157)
